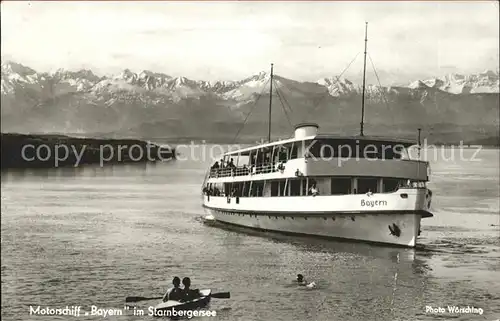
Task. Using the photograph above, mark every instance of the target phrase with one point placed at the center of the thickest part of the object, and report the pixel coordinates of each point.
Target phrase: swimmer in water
(300, 280)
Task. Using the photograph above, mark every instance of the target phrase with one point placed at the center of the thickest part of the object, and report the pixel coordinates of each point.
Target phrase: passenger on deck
(313, 190)
(215, 165)
(188, 294)
(174, 293)
(231, 164)
(222, 163)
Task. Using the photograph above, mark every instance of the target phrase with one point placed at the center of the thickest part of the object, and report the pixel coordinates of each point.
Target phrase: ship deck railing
(246, 170)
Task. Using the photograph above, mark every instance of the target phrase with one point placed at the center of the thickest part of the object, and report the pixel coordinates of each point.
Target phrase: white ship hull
(394, 220)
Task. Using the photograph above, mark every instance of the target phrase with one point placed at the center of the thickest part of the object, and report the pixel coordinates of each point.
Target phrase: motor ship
(362, 188)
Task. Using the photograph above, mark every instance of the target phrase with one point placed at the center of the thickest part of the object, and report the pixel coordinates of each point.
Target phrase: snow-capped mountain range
(14, 75)
(129, 102)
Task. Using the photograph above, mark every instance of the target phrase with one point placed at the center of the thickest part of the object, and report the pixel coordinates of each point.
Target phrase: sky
(230, 40)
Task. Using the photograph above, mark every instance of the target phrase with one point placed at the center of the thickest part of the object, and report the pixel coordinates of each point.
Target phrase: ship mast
(419, 130)
(364, 78)
(270, 104)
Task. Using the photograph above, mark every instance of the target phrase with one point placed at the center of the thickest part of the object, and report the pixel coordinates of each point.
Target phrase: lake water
(93, 236)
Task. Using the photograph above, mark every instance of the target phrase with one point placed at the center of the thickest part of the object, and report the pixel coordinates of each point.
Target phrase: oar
(140, 298)
(221, 295)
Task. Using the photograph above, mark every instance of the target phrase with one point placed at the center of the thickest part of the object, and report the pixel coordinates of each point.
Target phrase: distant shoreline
(52, 151)
(250, 141)
(490, 142)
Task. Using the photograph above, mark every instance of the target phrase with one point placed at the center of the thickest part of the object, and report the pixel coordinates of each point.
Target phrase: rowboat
(172, 308)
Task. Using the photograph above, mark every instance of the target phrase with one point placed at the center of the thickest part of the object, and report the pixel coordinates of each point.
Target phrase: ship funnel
(306, 129)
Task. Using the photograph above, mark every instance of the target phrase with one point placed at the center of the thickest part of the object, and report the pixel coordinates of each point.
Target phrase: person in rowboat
(174, 293)
(187, 293)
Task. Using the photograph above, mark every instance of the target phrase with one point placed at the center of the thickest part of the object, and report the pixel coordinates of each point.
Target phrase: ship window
(217, 189)
(282, 154)
(274, 188)
(340, 185)
(304, 186)
(390, 185)
(311, 148)
(294, 187)
(227, 188)
(242, 160)
(350, 148)
(246, 187)
(326, 150)
(366, 185)
(294, 152)
(260, 189)
(257, 188)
